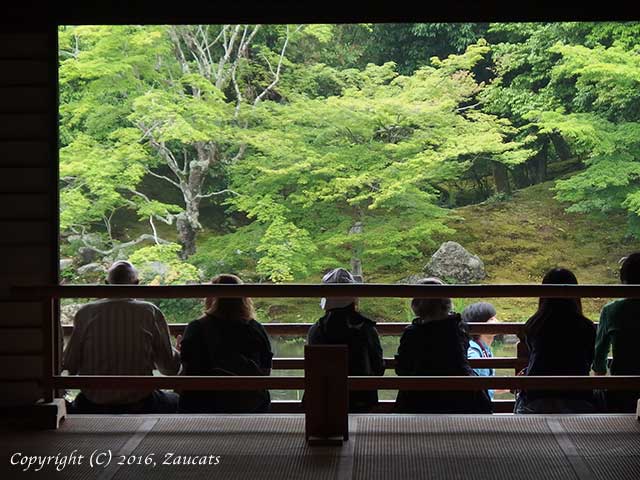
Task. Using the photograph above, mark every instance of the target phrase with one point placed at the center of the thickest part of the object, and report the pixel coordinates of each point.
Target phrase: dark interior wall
(28, 132)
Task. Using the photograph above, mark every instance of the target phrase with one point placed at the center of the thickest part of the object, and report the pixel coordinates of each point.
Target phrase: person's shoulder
(614, 305)
(87, 309)
(196, 325)
(256, 325)
(143, 305)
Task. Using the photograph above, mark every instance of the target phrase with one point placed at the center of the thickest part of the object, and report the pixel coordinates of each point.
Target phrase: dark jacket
(563, 345)
(215, 346)
(345, 326)
(437, 348)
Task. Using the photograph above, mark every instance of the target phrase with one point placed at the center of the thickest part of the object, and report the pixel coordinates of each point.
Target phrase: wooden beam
(266, 290)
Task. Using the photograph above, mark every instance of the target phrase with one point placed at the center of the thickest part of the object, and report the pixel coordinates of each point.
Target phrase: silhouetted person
(480, 345)
(227, 340)
(619, 329)
(560, 340)
(342, 324)
(436, 344)
(121, 336)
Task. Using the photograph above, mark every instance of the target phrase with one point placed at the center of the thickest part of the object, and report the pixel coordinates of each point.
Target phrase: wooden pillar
(326, 397)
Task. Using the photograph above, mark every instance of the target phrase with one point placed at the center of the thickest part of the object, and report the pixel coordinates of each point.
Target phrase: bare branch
(278, 68)
(162, 177)
(220, 192)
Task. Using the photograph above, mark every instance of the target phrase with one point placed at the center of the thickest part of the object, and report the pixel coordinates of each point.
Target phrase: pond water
(293, 347)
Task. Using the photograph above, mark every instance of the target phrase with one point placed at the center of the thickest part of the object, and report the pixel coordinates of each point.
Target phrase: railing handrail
(383, 328)
(268, 290)
(626, 382)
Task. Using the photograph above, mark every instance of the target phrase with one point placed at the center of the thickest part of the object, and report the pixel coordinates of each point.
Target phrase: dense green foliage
(280, 151)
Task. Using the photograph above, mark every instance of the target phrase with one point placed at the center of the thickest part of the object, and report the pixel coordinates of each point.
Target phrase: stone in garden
(412, 278)
(91, 268)
(65, 263)
(453, 263)
(86, 255)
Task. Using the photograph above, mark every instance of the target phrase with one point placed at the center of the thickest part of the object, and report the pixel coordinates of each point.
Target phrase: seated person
(619, 328)
(343, 324)
(436, 344)
(121, 336)
(227, 340)
(560, 341)
(480, 345)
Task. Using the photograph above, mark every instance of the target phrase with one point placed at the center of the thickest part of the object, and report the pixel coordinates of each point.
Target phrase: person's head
(338, 275)
(431, 308)
(630, 269)
(549, 307)
(232, 308)
(122, 273)
(480, 312)
(560, 276)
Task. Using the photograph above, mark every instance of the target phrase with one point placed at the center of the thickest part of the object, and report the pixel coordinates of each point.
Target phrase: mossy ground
(518, 239)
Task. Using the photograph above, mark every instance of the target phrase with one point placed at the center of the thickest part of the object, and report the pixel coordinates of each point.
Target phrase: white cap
(337, 275)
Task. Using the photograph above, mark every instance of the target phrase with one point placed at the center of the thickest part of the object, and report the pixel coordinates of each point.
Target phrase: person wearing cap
(618, 331)
(480, 345)
(436, 344)
(343, 324)
(121, 336)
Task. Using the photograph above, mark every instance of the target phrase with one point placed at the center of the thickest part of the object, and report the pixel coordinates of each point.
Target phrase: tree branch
(278, 68)
(220, 192)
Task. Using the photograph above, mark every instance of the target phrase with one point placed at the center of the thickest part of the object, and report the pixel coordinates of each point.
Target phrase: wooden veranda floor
(381, 447)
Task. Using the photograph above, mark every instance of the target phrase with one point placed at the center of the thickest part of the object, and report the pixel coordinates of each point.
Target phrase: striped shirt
(119, 337)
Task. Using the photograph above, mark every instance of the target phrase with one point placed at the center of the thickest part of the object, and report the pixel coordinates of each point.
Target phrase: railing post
(326, 396)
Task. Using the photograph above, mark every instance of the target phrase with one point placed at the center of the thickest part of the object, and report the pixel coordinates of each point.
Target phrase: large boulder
(453, 263)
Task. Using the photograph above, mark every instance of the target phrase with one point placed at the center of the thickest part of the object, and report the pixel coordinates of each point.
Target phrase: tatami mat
(381, 447)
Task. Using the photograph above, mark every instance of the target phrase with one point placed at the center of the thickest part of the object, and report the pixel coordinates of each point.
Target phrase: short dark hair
(479, 312)
(122, 273)
(630, 269)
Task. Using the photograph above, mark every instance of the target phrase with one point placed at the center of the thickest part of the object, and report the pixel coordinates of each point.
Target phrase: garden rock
(453, 263)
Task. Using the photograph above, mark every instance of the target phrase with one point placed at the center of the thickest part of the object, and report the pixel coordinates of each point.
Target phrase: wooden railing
(326, 387)
(384, 329)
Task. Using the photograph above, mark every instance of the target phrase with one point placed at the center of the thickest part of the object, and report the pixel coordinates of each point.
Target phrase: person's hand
(178, 342)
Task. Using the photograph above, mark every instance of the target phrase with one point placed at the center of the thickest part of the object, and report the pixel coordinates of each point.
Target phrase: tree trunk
(186, 236)
(540, 163)
(561, 146)
(356, 251)
(501, 178)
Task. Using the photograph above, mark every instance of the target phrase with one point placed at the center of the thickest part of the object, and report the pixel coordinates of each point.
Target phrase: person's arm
(72, 356)
(404, 365)
(376, 357)
(266, 356)
(166, 358)
(191, 351)
(314, 336)
(603, 342)
(472, 353)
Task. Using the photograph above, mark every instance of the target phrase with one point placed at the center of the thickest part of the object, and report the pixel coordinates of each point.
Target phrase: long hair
(548, 307)
(232, 308)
